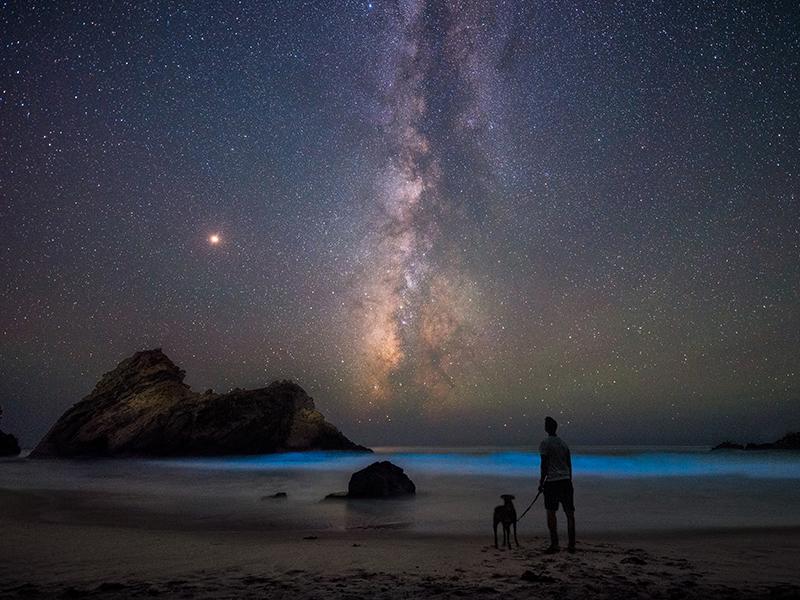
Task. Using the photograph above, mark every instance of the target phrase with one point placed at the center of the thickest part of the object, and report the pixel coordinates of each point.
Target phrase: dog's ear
(507, 496)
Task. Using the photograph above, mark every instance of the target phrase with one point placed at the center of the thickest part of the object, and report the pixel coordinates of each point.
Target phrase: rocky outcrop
(791, 441)
(728, 446)
(143, 408)
(9, 446)
(380, 480)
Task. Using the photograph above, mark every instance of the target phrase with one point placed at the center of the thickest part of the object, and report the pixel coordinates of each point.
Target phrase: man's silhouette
(556, 484)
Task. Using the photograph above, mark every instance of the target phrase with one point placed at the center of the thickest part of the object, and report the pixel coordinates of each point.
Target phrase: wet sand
(57, 544)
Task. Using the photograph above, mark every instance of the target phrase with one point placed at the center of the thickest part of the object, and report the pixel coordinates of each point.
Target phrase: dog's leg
(515, 534)
(495, 534)
(507, 529)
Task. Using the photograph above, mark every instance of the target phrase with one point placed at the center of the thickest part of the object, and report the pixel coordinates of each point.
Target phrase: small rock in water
(337, 496)
(275, 496)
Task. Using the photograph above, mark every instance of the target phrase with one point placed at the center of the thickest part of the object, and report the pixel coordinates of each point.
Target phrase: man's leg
(569, 508)
(552, 525)
(571, 528)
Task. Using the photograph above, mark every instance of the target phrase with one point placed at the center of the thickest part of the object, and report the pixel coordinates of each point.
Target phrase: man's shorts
(559, 491)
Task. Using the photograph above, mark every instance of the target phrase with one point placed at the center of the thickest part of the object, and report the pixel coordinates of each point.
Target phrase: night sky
(443, 219)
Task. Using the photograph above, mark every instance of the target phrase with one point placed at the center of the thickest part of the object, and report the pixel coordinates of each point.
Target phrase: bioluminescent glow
(772, 465)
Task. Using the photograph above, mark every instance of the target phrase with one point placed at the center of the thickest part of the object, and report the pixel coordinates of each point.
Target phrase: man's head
(550, 425)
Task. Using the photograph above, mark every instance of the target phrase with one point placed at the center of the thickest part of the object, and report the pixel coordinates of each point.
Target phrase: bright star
(214, 239)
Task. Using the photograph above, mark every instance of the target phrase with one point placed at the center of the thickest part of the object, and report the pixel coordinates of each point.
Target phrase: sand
(55, 544)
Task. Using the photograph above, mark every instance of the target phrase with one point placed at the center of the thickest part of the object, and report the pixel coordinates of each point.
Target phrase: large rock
(143, 408)
(380, 480)
(9, 446)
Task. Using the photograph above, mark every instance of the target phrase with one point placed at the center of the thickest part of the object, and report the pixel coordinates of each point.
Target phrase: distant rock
(337, 496)
(791, 441)
(143, 408)
(275, 496)
(380, 480)
(766, 446)
(9, 446)
(728, 446)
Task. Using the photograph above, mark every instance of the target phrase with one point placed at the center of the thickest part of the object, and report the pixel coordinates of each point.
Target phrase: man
(555, 483)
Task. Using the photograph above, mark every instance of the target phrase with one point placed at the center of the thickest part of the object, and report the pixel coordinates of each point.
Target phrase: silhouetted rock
(765, 446)
(728, 446)
(275, 496)
(337, 496)
(380, 480)
(791, 441)
(143, 408)
(9, 446)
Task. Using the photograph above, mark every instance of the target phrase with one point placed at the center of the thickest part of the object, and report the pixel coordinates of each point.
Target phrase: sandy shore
(55, 544)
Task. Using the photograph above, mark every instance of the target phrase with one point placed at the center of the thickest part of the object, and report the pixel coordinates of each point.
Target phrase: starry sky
(444, 219)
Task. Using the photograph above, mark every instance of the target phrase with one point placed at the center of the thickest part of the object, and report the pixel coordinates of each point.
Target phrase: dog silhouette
(507, 515)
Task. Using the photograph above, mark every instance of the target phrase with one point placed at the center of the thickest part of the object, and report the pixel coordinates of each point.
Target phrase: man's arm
(569, 463)
(543, 472)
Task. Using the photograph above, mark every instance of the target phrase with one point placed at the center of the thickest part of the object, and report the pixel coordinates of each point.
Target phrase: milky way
(416, 303)
(444, 219)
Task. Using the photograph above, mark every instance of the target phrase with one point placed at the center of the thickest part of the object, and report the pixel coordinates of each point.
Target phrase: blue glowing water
(616, 489)
(590, 462)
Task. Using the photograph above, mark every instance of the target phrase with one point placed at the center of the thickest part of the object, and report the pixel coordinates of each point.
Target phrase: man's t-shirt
(557, 453)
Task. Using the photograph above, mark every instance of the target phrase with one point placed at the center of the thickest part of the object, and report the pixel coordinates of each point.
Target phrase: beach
(208, 529)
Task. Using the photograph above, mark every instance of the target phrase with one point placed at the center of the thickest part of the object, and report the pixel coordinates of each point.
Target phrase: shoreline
(55, 549)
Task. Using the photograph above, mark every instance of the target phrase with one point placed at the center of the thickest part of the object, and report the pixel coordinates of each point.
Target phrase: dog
(507, 515)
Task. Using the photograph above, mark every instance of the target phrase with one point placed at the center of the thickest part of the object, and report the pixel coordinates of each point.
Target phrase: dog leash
(532, 503)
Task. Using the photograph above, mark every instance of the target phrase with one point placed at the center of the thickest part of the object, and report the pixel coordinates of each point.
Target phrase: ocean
(617, 489)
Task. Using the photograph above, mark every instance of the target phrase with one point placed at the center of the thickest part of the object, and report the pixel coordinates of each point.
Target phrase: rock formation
(143, 408)
(9, 446)
(380, 480)
(791, 441)
(728, 446)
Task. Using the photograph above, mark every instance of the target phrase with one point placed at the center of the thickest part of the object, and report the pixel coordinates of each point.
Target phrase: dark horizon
(444, 221)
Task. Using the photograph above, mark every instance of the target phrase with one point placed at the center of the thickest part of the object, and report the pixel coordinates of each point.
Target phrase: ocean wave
(773, 465)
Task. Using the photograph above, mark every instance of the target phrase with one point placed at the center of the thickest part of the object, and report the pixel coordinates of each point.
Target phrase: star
(438, 208)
